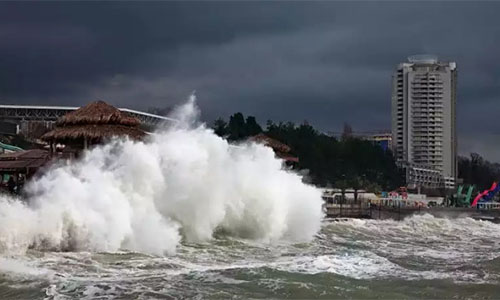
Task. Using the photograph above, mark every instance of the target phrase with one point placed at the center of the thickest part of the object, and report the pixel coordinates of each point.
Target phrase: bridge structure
(48, 115)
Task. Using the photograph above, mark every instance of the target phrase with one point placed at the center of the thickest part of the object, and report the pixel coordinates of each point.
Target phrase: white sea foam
(22, 269)
(412, 236)
(184, 182)
(368, 265)
(446, 247)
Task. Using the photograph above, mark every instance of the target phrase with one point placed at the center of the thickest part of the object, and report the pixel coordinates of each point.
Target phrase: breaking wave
(185, 182)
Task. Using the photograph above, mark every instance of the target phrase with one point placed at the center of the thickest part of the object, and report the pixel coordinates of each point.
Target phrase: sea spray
(183, 182)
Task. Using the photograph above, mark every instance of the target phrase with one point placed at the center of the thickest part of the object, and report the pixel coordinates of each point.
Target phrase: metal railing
(19, 113)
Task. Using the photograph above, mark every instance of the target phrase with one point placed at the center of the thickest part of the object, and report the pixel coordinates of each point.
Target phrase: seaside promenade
(365, 209)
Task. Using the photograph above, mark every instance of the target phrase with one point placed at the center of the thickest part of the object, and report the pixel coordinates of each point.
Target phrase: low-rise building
(383, 139)
(420, 176)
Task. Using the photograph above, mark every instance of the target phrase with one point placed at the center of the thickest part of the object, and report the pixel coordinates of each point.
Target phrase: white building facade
(424, 119)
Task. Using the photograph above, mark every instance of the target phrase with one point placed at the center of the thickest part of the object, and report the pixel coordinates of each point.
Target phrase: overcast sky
(324, 62)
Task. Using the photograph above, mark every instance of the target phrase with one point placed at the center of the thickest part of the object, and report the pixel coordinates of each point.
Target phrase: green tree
(237, 127)
(478, 171)
(252, 127)
(351, 161)
(329, 160)
(220, 127)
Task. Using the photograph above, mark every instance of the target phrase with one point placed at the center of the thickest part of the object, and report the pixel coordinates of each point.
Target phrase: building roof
(95, 121)
(20, 161)
(280, 149)
(10, 147)
(98, 112)
(26, 154)
(275, 144)
(92, 131)
(423, 59)
(287, 157)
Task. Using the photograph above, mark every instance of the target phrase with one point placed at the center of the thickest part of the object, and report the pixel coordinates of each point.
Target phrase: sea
(186, 214)
(418, 257)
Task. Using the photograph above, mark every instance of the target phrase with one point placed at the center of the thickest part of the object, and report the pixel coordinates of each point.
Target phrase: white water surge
(184, 182)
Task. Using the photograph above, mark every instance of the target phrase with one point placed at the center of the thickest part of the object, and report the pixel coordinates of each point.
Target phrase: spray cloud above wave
(184, 182)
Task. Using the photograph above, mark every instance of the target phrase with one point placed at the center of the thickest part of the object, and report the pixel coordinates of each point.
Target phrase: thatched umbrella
(92, 124)
(281, 150)
(275, 144)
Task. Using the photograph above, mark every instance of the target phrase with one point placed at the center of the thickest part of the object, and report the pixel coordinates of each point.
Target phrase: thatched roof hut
(275, 144)
(281, 150)
(98, 112)
(92, 124)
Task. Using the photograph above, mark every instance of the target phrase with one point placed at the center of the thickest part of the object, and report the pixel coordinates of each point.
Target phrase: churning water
(420, 257)
(185, 214)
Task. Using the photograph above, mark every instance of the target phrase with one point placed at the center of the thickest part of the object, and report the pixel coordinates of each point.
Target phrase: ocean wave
(183, 183)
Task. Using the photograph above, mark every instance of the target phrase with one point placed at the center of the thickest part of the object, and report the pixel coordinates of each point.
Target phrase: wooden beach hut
(92, 124)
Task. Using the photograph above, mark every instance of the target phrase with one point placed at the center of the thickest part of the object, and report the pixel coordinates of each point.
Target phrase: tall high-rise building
(423, 120)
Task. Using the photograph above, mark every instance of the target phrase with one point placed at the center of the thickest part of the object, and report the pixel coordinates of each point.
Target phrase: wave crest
(184, 182)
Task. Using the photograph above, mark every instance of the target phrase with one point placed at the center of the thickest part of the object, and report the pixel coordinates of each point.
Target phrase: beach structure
(23, 162)
(92, 124)
(17, 167)
(280, 149)
(337, 195)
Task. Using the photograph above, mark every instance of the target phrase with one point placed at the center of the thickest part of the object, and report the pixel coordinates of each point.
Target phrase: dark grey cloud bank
(325, 62)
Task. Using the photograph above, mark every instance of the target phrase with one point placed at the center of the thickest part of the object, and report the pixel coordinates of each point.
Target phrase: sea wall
(399, 213)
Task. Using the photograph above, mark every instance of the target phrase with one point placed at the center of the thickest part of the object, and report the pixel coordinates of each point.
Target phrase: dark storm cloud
(81, 42)
(322, 62)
